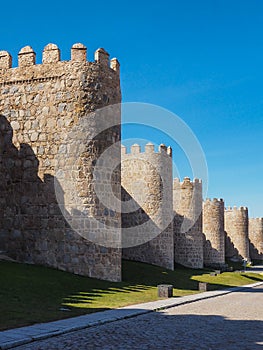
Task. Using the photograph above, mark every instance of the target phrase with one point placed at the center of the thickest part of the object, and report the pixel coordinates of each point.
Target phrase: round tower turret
(188, 239)
(213, 230)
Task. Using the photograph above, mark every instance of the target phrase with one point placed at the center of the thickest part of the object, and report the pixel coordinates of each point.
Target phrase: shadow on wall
(29, 212)
(230, 249)
(144, 245)
(24, 210)
(33, 228)
(188, 240)
(212, 256)
(254, 252)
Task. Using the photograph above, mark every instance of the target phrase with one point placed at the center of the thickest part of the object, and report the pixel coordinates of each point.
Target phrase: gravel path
(233, 321)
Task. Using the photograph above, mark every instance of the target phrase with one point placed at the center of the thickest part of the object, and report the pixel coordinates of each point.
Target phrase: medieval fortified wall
(255, 228)
(214, 234)
(187, 205)
(39, 105)
(163, 221)
(146, 179)
(236, 227)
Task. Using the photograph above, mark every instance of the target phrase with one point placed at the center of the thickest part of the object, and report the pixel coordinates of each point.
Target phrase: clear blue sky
(199, 59)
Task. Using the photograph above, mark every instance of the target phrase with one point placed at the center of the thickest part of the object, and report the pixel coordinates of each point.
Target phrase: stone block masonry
(39, 106)
(255, 234)
(146, 179)
(236, 229)
(188, 237)
(53, 135)
(214, 234)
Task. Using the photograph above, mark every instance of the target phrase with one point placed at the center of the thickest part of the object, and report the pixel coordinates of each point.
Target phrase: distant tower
(236, 228)
(214, 235)
(188, 238)
(255, 234)
(146, 179)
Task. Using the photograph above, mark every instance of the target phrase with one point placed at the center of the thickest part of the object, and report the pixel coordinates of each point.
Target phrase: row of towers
(60, 196)
(204, 233)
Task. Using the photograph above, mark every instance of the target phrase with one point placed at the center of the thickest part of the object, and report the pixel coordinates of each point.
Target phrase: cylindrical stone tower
(188, 238)
(214, 235)
(236, 228)
(57, 136)
(255, 234)
(146, 179)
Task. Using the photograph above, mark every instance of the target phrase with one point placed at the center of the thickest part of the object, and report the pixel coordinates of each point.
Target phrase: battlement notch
(115, 65)
(123, 149)
(5, 60)
(26, 57)
(149, 148)
(102, 57)
(135, 149)
(79, 53)
(51, 54)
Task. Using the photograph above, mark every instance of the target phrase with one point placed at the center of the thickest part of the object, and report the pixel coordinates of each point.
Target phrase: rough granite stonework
(236, 233)
(255, 234)
(214, 234)
(39, 106)
(53, 135)
(146, 179)
(188, 237)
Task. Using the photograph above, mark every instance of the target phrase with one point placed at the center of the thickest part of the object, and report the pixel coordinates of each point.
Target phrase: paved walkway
(228, 319)
(255, 269)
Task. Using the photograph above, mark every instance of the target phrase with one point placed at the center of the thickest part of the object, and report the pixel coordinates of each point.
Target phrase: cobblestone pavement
(233, 321)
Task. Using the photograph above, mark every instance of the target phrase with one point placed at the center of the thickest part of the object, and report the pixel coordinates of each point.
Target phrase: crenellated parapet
(213, 230)
(146, 179)
(148, 149)
(51, 56)
(187, 197)
(156, 170)
(236, 209)
(154, 167)
(187, 182)
(257, 220)
(236, 228)
(255, 234)
(214, 200)
(187, 206)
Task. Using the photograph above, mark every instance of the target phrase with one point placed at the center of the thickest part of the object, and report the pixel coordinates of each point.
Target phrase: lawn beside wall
(31, 294)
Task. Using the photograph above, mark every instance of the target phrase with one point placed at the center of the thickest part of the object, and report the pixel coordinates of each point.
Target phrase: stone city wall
(40, 105)
(236, 233)
(188, 237)
(214, 234)
(255, 234)
(146, 179)
(54, 136)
